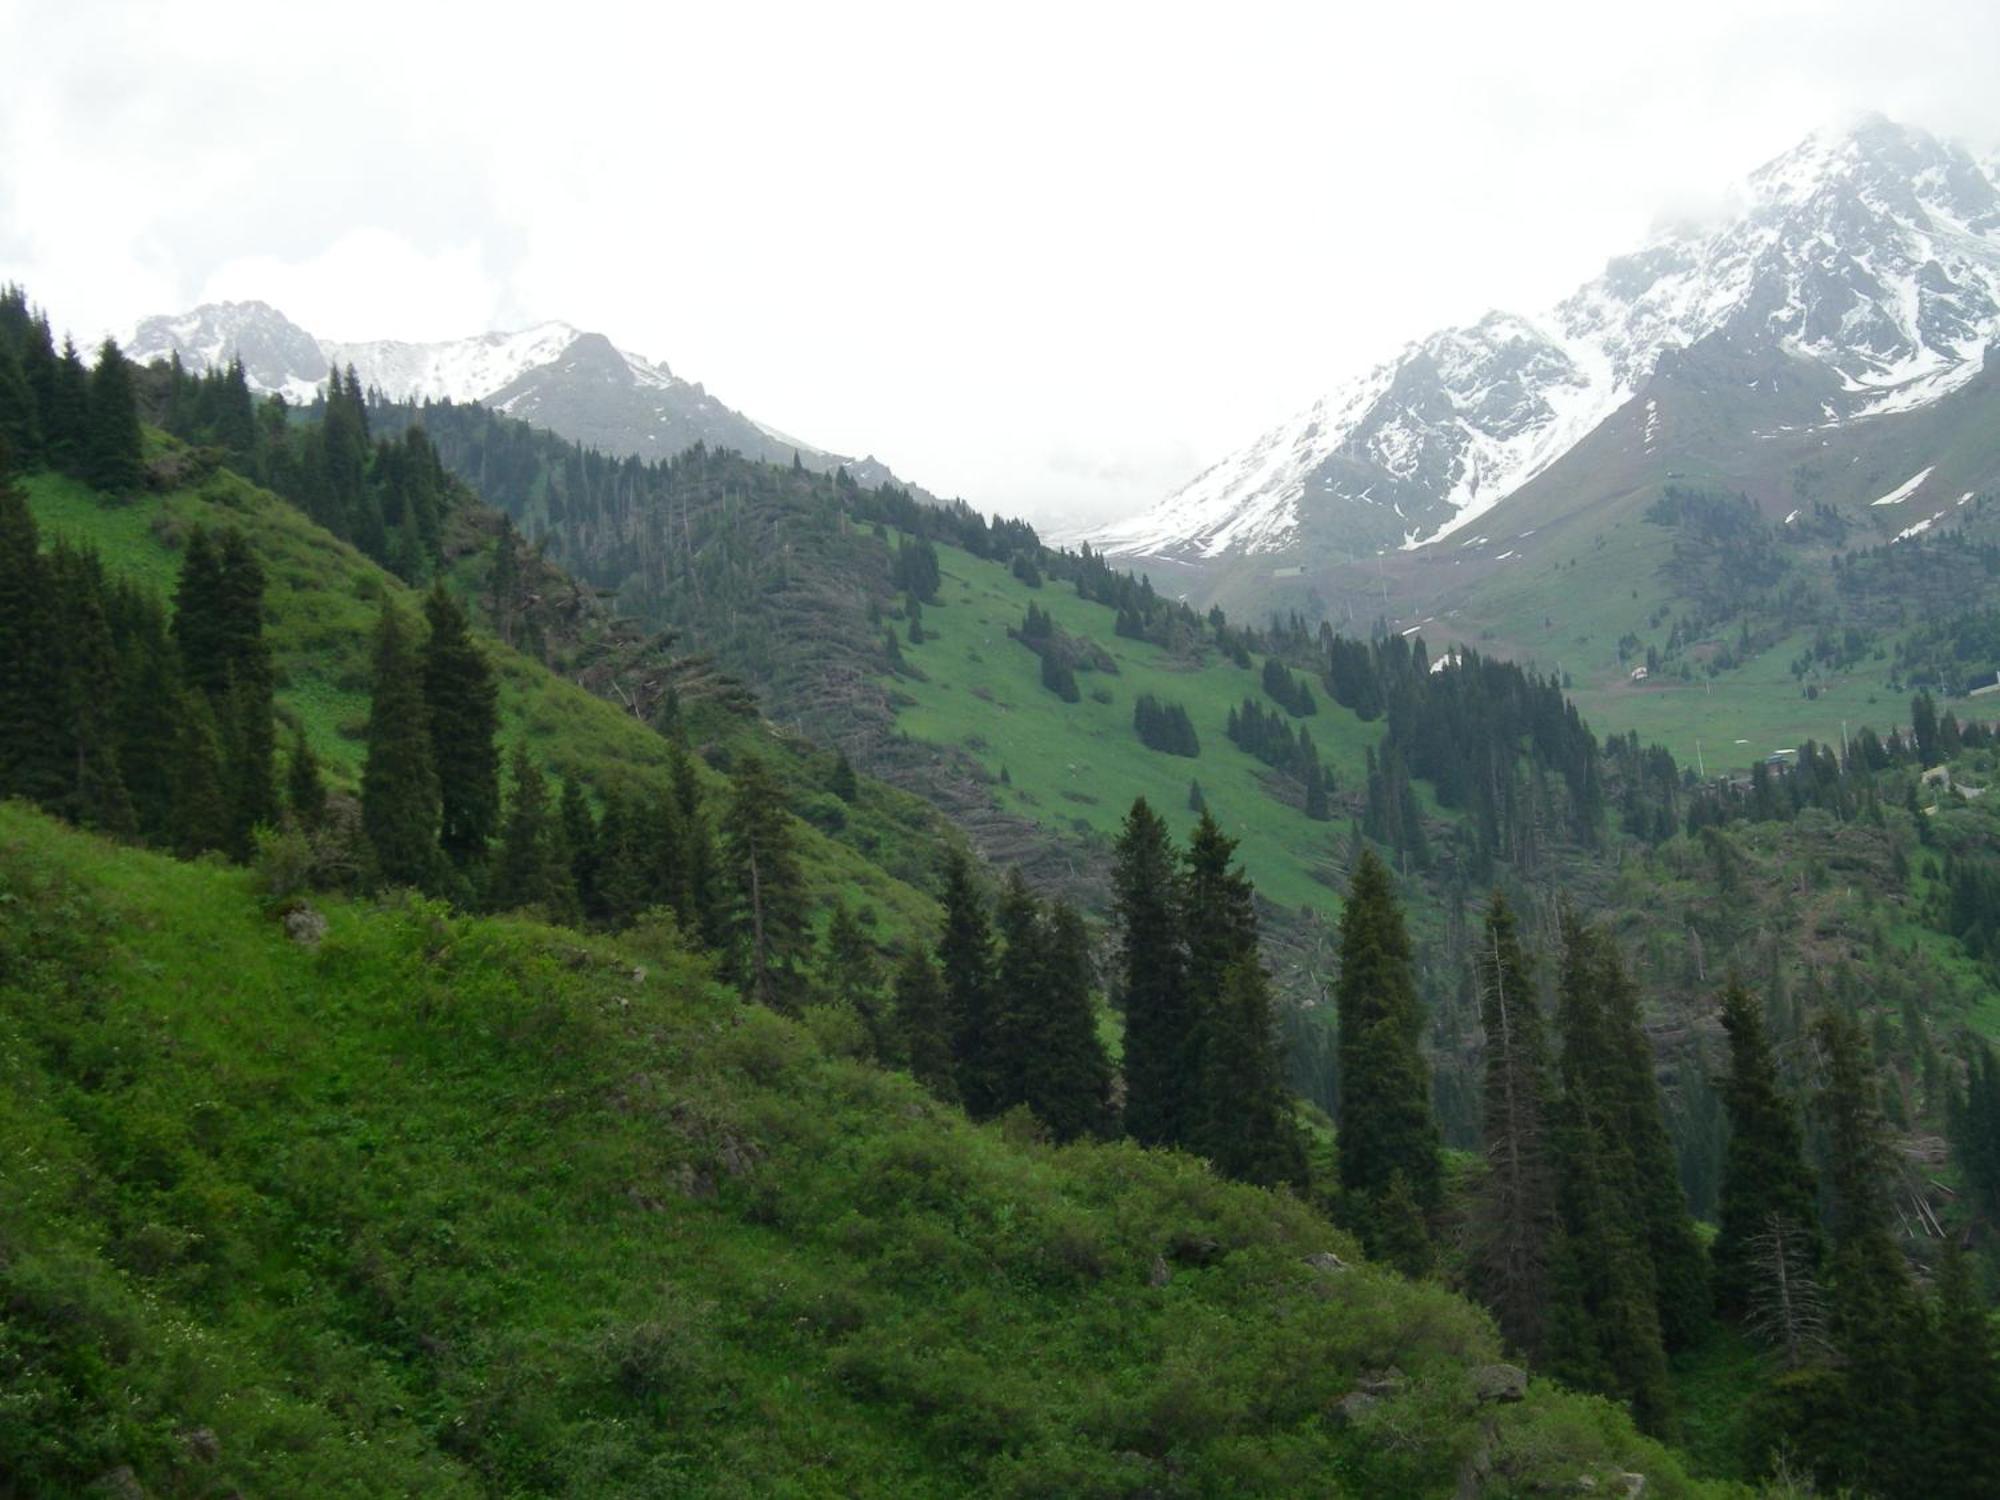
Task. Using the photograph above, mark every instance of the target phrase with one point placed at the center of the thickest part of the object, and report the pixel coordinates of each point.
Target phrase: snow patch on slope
(1904, 490)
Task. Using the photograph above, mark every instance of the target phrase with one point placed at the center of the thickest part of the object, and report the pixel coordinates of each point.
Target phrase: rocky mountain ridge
(552, 374)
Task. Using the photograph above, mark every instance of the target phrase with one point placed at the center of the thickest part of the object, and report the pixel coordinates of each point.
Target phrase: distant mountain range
(552, 375)
(1857, 285)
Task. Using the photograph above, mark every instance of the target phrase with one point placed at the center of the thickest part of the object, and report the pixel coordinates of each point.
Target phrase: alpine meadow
(558, 940)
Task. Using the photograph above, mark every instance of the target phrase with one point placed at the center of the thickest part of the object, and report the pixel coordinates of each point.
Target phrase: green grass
(1077, 766)
(467, 1206)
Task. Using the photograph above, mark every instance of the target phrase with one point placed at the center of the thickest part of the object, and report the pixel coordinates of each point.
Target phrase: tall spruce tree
(1604, 1315)
(31, 753)
(1875, 1321)
(965, 953)
(1764, 1167)
(1249, 1124)
(1632, 1101)
(924, 1022)
(769, 916)
(1515, 1217)
(461, 701)
(533, 866)
(1160, 1086)
(399, 788)
(86, 709)
(245, 704)
(1240, 1114)
(851, 976)
(1386, 1124)
(113, 457)
(1963, 1409)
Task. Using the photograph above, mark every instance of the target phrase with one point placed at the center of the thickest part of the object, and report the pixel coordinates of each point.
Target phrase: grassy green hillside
(1077, 766)
(448, 1205)
(322, 598)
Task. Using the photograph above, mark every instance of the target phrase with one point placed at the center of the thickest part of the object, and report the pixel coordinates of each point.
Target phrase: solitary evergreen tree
(399, 789)
(1386, 1125)
(1159, 1022)
(113, 460)
(1764, 1169)
(461, 703)
(1515, 1220)
(769, 919)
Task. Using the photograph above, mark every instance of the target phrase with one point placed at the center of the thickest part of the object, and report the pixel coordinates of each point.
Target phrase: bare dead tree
(1787, 1310)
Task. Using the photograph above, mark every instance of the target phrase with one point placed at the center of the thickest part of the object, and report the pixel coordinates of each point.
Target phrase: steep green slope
(446, 1206)
(1078, 765)
(321, 600)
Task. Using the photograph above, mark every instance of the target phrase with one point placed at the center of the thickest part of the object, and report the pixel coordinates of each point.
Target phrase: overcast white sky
(1053, 258)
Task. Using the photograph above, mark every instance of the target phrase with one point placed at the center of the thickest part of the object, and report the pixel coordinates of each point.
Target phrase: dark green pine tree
(1603, 1327)
(149, 699)
(1386, 1124)
(87, 708)
(1042, 1048)
(305, 786)
(1515, 1220)
(113, 458)
(1963, 1409)
(1068, 1081)
(198, 617)
(1764, 1168)
(246, 706)
(699, 859)
(965, 953)
(1240, 1113)
(1875, 1322)
(924, 1022)
(1632, 1102)
(399, 788)
(579, 830)
(31, 751)
(20, 418)
(200, 819)
(1160, 1086)
(66, 415)
(850, 975)
(842, 783)
(621, 868)
(768, 889)
(1249, 1126)
(533, 866)
(461, 702)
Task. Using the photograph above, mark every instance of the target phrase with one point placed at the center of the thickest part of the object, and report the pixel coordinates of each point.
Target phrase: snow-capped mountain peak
(552, 375)
(1870, 255)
